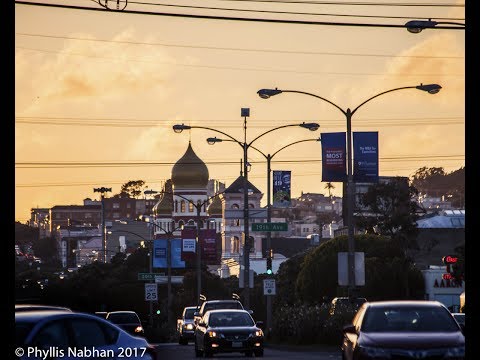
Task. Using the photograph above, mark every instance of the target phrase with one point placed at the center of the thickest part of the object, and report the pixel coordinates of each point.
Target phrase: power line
(83, 164)
(211, 17)
(287, 12)
(238, 49)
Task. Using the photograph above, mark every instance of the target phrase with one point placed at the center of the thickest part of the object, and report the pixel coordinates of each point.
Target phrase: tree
(329, 186)
(46, 249)
(131, 189)
(386, 275)
(391, 211)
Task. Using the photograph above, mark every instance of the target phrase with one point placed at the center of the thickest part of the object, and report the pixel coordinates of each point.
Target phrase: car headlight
(455, 352)
(189, 326)
(138, 329)
(256, 333)
(213, 334)
(374, 352)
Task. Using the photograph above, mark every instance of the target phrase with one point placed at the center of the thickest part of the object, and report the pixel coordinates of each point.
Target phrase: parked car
(340, 302)
(214, 305)
(186, 326)
(403, 330)
(102, 314)
(221, 331)
(70, 335)
(32, 307)
(127, 320)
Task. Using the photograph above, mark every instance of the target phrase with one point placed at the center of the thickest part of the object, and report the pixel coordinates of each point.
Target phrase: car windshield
(408, 319)
(189, 313)
(123, 318)
(226, 305)
(230, 319)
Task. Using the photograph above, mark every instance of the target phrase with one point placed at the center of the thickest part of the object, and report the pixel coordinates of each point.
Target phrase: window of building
(190, 206)
(116, 215)
(129, 205)
(88, 215)
(235, 244)
(182, 206)
(235, 206)
(251, 206)
(180, 223)
(116, 205)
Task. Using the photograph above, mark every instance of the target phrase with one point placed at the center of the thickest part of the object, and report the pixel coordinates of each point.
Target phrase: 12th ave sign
(269, 227)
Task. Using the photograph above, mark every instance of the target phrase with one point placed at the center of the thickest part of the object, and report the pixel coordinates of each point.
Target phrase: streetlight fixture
(267, 93)
(244, 145)
(416, 26)
(268, 157)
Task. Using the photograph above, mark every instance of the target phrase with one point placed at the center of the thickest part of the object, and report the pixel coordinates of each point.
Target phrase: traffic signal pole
(269, 243)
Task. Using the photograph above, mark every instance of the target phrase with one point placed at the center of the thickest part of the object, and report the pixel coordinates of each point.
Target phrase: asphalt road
(175, 351)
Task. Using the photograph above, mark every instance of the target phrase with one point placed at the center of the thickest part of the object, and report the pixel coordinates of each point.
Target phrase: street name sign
(151, 293)
(269, 227)
(148, 276)
(162, 279)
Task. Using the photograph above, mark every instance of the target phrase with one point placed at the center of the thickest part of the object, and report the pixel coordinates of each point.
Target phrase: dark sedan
(403, 330)
(228, 331)
(127, 320)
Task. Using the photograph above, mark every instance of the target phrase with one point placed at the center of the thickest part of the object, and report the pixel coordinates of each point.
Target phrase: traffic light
(269, 262)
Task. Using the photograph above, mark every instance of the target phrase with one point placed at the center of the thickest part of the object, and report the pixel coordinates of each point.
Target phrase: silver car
(72, 335)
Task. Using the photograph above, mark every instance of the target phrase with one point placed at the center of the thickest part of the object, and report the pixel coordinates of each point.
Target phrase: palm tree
(329, 186)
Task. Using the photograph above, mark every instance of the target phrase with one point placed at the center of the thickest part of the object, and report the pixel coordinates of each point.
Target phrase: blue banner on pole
(333, 157)
(365, 156)
(281, 188)
(160, 254)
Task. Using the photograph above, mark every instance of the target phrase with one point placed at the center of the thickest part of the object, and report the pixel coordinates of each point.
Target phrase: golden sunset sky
(97, 92)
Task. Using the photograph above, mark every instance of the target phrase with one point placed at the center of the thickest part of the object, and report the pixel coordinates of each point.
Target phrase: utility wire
(241, 49)
(212, 17)
(291, 12)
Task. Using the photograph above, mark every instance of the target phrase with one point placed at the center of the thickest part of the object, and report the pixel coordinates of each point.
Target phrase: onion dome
(215, 207)
(164, 206)
(190, 172)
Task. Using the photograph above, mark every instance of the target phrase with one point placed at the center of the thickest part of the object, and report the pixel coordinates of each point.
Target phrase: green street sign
(148, 276)
(269, 227)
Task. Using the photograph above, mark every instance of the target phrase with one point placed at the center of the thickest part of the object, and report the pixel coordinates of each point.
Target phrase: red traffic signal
(450, 259)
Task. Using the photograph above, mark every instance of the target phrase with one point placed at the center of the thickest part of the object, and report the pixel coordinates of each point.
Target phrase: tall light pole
(102, 190)
(416, 26)
(198, 208)
(246, 248)
(267, 93)
(268, 157)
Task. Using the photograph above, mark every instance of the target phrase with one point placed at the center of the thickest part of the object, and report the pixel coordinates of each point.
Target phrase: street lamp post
(102, 190)
(267, 93)
(416, 26)
(244, 145)
(268, 157)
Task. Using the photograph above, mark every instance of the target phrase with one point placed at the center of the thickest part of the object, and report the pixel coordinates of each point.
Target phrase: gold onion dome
(164, 206)
(190, 172)
(215, 207)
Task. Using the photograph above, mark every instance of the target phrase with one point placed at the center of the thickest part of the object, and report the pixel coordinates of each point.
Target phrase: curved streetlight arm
(269, 131)
(253, 147)
(296, 142)
(318, 97)
(382, 93)
(218, 131)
